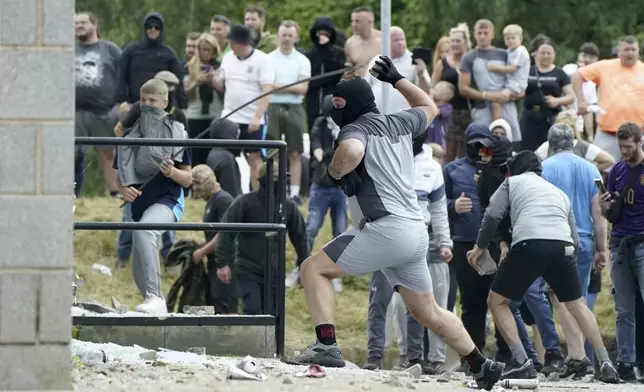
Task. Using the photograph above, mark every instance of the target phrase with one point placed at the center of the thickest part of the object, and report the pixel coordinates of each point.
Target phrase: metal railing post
(281, 254)
(268, 259)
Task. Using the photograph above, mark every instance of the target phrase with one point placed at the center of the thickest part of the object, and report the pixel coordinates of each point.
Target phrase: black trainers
(318, 354)
(608, 374)
(520, 371)
(639, 371)
(434, 368)
(554, 363)
(372, 364)
(577, 368)
(626, 372)
(401, 364)
(489, 375)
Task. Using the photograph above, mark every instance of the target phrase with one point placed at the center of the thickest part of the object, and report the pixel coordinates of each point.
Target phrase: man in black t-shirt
(205, 186)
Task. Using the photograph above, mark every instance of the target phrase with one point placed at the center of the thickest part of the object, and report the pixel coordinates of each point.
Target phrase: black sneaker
(554, 363)
(639, 371)
(401, 364)
(434, 368)
(318, 354)
(626, 372)
(523, 371)
(608, 374)
(489, 375)
(372, 364)
(577, 368)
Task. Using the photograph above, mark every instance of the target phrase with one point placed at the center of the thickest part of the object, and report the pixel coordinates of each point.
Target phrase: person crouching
(165, 171)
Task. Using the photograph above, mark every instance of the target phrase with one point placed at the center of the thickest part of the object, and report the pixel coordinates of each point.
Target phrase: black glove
(385, 71)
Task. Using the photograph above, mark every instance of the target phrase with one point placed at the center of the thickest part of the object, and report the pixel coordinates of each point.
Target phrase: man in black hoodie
(325, 56)
(142, 60)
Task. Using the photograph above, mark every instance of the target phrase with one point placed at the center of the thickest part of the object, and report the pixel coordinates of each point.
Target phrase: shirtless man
(364, 44)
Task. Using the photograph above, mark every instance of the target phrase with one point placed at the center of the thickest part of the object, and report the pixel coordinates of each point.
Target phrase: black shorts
(260, 134)
(528, 260)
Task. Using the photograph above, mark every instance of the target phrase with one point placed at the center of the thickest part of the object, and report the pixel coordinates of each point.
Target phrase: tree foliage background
(569, 23)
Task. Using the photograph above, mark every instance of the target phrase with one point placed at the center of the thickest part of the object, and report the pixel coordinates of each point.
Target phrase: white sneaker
(152, 304)
(337, 284)
(293, 279)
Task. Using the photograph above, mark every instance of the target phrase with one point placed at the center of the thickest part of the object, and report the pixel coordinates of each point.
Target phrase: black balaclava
(501, 151)
(525, 161)
(360, 100)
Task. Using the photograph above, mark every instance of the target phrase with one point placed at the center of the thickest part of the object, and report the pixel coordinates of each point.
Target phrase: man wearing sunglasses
(143, 59)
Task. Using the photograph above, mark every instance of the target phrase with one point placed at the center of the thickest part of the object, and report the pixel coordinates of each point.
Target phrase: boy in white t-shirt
(517, 69)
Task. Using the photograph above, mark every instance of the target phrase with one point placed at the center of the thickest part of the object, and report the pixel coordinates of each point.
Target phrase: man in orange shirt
(621, 92)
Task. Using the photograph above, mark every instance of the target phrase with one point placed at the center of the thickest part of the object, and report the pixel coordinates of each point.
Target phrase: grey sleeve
(573, 227)
(352, 132)
(467, 62)
(413, 119)
(494, 214)
(438, 212)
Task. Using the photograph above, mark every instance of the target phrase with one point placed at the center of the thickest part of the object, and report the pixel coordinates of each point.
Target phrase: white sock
(295, 190)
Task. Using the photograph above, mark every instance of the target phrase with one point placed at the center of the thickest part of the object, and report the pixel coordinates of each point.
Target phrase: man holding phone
(413, 69)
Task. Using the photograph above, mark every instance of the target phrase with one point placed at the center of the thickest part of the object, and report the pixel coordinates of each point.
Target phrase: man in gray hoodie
(544, 238)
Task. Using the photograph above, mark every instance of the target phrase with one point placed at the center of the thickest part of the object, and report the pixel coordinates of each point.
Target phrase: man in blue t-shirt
(576, 177)
(152, 181)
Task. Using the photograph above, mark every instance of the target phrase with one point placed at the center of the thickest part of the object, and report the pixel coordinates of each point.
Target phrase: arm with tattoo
(347, 157)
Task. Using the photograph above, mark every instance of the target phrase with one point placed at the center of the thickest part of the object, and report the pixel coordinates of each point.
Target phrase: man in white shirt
(246, 73)
(286, 115)
(415, 72)
(588, 54)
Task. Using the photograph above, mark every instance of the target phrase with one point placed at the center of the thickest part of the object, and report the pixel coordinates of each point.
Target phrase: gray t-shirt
(475, 63)
(517, 81)
(388, 174)
(96, 80)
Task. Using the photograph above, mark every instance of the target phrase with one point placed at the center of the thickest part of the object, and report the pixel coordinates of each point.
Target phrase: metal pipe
(385, 27)
(194, 143)
(268, 265)
(235, 227)
(281, 257)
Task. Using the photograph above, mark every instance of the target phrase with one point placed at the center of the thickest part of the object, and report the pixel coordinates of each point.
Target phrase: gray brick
(36, 231)
(17, 159)
(37, 84)
(18, 22)
(41, 367)
(58, 22)
(55, 307)
(58, 147)
(18, 307)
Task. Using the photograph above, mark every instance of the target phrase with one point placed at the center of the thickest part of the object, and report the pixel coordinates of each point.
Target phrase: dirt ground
(282, 377)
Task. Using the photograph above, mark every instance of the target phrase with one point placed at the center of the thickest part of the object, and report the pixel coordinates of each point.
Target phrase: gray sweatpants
(416, 332)
(146, 268)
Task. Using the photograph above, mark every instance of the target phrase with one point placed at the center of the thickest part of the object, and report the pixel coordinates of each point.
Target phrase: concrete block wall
(36, 183)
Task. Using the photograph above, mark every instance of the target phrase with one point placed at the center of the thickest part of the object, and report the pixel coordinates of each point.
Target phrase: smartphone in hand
(600, 185)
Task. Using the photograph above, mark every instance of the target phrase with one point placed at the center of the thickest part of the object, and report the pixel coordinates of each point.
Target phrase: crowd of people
(452, 187)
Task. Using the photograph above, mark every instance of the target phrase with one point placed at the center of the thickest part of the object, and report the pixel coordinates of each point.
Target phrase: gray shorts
(394, 245)
(89, 124)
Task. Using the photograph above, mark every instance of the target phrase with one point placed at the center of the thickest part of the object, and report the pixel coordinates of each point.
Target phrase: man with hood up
(143, 59)
(325, 56)
(374, 165)
(544, 238)
(465, 212)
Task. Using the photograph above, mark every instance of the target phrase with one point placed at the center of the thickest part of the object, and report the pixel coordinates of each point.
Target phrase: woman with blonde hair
(590, 152)
(204, 102)
(448, 70)
(441, 50)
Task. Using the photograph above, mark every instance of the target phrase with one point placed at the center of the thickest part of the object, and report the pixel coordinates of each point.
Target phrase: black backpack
(193, 286)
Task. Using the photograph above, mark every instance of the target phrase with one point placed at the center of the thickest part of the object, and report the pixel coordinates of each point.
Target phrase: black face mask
(525, 161)
(360, 100)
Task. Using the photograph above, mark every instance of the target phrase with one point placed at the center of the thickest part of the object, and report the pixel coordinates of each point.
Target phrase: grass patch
(351, 305)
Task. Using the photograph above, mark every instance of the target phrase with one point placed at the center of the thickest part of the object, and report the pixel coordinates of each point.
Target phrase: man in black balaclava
(359, 100)
(142, 60)
(325, 56)
(544, 238)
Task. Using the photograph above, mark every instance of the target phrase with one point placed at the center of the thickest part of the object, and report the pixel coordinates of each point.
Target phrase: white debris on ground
(133, 369)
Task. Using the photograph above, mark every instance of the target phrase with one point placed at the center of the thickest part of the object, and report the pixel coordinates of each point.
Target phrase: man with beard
(191, 47)
(143, 59)
(374, 165)
(544, 237)
(255, 20)
(325, 56)
(96, 114)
